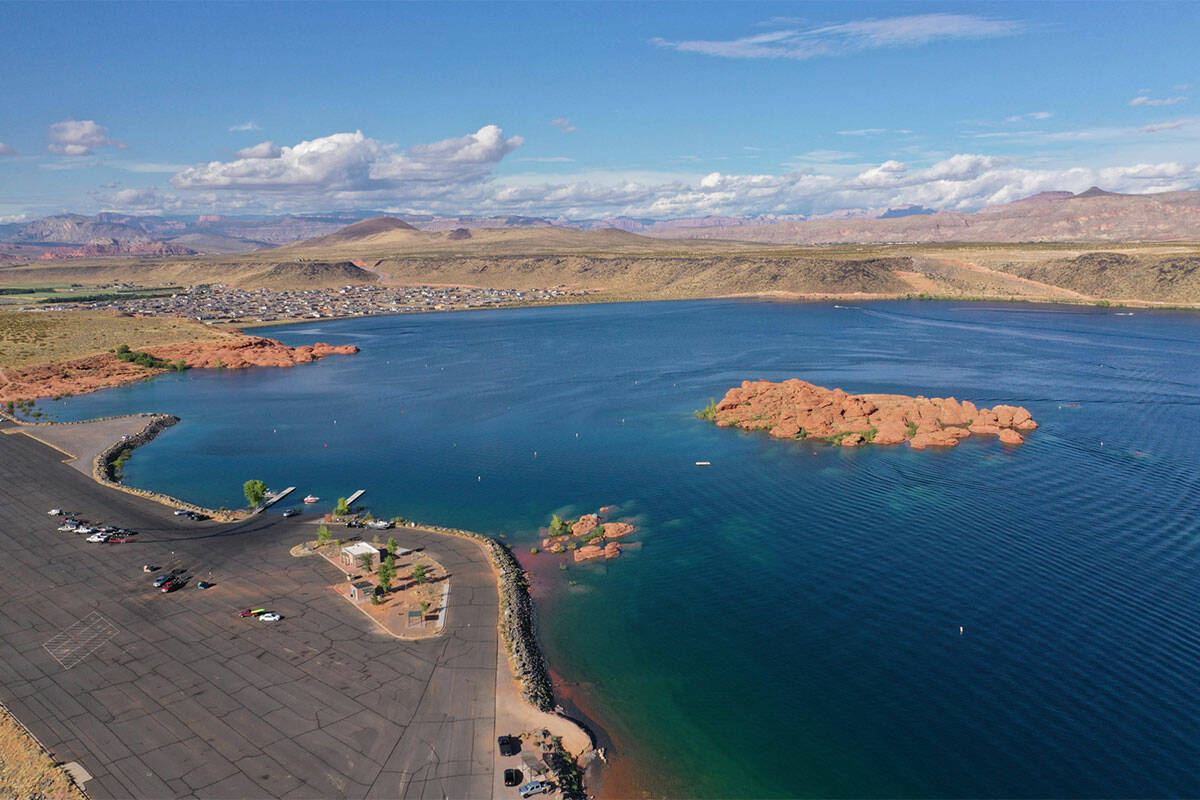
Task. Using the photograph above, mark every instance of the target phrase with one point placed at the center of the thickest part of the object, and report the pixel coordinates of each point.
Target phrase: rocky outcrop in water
(248, 351)
(796, 409)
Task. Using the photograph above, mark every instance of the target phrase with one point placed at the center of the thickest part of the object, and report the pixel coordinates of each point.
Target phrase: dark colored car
(512, 777)
(509, 745)
(291, 512)
(205, 585)
(160, 580)
(198, 517)
(355, 524)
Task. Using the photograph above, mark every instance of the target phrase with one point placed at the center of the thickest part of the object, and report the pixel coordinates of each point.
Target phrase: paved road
(181, 697)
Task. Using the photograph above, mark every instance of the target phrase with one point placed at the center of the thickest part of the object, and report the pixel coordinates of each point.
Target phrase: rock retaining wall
(516, 620)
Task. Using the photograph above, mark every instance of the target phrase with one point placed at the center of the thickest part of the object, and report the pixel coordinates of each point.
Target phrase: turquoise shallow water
(791, 625)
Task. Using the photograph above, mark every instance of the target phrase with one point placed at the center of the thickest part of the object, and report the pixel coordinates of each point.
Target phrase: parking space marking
(80, 640)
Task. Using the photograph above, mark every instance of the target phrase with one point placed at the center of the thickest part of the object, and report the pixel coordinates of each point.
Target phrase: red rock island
(796, 409)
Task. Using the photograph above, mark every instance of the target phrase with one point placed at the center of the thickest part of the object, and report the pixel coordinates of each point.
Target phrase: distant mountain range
(1091, 216)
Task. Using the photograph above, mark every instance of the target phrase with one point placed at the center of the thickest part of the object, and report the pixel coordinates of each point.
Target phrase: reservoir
(801, 620)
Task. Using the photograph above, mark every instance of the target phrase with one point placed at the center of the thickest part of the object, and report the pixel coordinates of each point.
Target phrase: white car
(99, 537)
(270, 616)
(85, 529)
(69, 528)
(182, 512)
(55, 512)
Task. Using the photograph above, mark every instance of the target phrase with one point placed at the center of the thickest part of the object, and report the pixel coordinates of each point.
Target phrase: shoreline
(766, 296)
(524, 659)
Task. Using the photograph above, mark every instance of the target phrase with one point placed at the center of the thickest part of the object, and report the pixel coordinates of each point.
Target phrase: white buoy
(960, 630)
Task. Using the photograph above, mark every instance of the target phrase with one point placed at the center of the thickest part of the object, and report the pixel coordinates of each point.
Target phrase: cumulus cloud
(564, 125)
(261, 150)
(76, 137)
(5, 150)
(455, 176)
(851, 37)
(1143, 100)
(245, 126)
(354, 163)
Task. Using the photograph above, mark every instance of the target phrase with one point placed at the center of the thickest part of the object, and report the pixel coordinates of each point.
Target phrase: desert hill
(312, 274)
(368, 229)
(1091, 216)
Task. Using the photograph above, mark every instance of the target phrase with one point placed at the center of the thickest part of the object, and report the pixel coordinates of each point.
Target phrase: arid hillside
(1091, 216)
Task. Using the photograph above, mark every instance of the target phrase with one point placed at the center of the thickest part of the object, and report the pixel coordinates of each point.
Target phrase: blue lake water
(790, 626)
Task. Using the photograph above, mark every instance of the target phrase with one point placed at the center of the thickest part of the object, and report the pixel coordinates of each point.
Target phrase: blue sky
(589, 110)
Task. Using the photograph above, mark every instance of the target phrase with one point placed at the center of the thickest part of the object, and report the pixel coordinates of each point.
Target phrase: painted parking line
(80, 640)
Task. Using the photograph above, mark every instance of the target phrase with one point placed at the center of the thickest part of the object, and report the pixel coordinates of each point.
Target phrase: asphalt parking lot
(175, 695)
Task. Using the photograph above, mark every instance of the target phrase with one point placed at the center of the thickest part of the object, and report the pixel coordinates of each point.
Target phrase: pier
(275, 498)
(350, 500)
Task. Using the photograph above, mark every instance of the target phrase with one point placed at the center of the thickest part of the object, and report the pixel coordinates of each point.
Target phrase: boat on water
(703, 463)
(312, 498)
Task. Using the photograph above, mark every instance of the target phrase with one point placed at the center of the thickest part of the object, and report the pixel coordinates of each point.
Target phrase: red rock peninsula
(83, 375)
(796, 409)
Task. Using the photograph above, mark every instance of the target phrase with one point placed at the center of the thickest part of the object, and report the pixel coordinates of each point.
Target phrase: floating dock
(350, 500)
(275, 498)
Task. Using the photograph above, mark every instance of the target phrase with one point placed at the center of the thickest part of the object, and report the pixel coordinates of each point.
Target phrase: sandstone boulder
(588, 552)
(585, 524)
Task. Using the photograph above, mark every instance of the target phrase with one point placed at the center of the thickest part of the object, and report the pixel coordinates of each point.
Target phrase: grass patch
(709, 412)
(26, 770)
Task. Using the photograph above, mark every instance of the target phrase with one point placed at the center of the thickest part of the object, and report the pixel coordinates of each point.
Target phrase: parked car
(355, 523)
(205, 585)
(55, 512)
(161, 579)
(535, 787)
(291, 512)
(182, 512)
(270, 616)
(380, 524)
(171, 585)
(198, 517)
(512, 777)
(69, 527)
(509, 745)
(116, 538)
(250, 612)
(99, 536)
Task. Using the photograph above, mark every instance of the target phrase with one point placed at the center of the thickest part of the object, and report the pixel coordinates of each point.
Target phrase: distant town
(220, 303)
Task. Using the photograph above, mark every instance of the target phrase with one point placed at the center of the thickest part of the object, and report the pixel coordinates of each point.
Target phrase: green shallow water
(790, 625)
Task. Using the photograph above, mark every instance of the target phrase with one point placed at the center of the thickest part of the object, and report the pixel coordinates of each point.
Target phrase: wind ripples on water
(791, 624)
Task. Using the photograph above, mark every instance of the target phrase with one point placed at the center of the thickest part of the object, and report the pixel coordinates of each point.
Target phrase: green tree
(387, 573)
(557, 525)
(419, 574)
(323, 535)
(255, 491)
(342, 508)
(365, 561)
(392, 546)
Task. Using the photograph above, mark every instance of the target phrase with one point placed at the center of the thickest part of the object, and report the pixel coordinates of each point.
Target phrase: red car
(171, 586)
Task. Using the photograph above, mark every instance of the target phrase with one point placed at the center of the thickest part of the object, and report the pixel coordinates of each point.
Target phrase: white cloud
(1166, 126)
(564, 125)
(245, 126)
(1143, 100)
(1089, 134)
(5, 150)
(357, 165)
(862, 132)
(1030, 115)
(261, 150)
(548, 160)
(455, 176)
(851, 37)
(74, 137)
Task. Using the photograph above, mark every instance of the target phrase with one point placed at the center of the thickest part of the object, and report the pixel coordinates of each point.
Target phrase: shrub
(709, 411)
